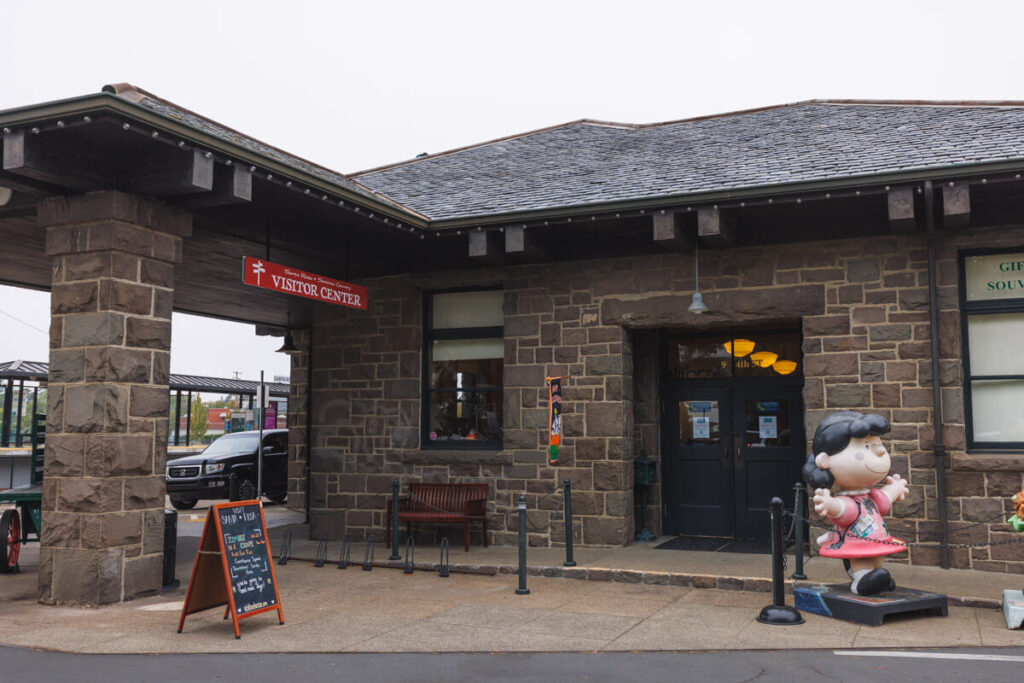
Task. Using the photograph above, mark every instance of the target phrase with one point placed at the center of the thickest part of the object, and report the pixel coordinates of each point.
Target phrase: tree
(200, 415)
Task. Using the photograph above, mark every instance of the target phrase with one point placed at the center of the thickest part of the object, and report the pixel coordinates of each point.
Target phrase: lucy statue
(848, 454)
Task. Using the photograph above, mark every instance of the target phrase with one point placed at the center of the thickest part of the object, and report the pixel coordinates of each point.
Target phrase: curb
(638, 576)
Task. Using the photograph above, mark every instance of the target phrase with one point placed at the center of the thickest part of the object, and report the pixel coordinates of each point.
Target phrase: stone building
(847, 253)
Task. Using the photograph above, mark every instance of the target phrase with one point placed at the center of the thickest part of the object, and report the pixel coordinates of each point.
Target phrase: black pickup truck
(227, 469)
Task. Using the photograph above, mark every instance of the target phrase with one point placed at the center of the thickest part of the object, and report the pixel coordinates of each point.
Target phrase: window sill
(461, 456)
(989, 461)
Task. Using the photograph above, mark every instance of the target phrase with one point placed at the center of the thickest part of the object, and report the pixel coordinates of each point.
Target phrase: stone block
(144, 493)
(96, 408)
(604, 365)
(94, 329)
(825, 325)
(119, 455)
(522, 376)
(143, 575)
(149, 401)
(64, 455)
(79, 297)
(109, 204)
(605, 419)
(889, 332)
(831, 364)
(117, 295)
(146, 333)
(116, 364)
(89, 494)
(610, 476)
(604, 531)
(62, 530)
(521, 325)
(157, 273)
(862, 270)
(153, 531)
(848, 395)
(85, 576)
(85, 266)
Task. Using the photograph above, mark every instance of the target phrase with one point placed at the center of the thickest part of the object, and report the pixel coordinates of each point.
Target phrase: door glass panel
(766, 423)
(698, 423)
(700, 357)
(774, 355)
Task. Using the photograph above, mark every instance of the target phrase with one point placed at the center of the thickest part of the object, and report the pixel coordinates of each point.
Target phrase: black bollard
(410, 556)
(368, 555)
(569, 562)
(394, 521)
(345, 554)
(321, 552)
(286, 548)
(444, 568)
(798, 532)
(522, 590)
(778, 612)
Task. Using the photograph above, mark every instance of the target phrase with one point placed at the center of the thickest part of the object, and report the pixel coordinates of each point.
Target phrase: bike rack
(444, 568)
(321, 552)
(368, 555)
(410, 555)
(286, 548)
(344, 555)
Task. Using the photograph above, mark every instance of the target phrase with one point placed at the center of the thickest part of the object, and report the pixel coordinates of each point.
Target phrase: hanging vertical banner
(554, 418)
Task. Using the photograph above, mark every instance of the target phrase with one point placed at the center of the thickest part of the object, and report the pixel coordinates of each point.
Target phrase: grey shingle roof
(588, 162)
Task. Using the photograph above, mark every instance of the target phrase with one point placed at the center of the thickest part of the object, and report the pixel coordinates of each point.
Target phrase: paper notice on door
(769, 426)
(701, 427)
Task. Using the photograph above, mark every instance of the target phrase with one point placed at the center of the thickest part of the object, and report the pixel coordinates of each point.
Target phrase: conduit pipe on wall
(309, 419)
(938, 444)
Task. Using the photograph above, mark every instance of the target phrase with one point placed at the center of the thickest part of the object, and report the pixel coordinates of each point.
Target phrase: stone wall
(863, 304)
(107, 403)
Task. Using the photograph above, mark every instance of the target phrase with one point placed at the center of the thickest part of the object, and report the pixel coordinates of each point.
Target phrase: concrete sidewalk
(638, 598)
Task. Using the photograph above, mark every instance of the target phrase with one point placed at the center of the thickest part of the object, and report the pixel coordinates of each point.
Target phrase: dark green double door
(727, 449)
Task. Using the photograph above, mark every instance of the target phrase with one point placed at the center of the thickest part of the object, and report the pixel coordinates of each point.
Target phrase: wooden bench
(442, 504)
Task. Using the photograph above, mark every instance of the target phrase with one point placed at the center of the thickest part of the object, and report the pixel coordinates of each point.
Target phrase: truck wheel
(184, 503)
(246, 489)
(10, 542)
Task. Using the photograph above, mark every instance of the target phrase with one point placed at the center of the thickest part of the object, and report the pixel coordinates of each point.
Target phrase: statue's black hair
(833, 435)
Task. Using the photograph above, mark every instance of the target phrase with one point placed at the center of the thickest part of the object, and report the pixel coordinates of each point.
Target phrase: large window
(992, 303)
(464, 352)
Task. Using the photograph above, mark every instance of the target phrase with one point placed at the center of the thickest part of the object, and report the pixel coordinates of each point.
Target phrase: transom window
(464, 352)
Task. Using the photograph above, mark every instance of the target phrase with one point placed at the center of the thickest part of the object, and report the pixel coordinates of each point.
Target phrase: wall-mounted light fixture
(697, 305)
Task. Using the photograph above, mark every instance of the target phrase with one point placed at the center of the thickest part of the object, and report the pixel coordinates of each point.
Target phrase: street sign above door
(278, 278)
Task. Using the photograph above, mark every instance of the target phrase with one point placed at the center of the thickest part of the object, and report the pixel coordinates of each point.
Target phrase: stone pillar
(108, 399)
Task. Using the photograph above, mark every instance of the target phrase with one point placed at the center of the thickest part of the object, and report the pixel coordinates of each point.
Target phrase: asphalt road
(934, 666)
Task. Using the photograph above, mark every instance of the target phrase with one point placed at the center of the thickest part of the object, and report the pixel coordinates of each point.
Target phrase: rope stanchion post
(394, 520)
(569, 562)
(522, 589)
(778, 613)
(799, 514)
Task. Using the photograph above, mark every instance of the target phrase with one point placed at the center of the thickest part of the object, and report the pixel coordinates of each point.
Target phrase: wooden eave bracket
(669, 231)
(522, 244)
(956, 206)
(31, 156)
(715, 227)
(901, 210)
(486, 246)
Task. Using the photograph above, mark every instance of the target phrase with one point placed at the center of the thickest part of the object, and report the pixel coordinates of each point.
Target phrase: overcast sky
(356, 85)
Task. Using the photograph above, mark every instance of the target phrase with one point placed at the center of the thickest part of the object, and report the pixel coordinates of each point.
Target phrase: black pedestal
(837, 601)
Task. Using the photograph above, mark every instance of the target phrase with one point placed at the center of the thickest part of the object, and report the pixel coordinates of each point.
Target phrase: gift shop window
(992, 306)
(463, 356)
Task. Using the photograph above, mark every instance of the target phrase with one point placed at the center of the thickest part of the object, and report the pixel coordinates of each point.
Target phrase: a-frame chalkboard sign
(233, 566)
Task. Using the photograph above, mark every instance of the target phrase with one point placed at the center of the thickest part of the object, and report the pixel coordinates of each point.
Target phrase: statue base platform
(837, 601)
(1013, 608)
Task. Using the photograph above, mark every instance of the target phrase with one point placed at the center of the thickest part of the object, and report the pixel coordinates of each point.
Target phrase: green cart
(17, 525)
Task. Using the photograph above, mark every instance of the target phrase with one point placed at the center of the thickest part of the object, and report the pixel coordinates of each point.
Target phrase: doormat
(720, 545)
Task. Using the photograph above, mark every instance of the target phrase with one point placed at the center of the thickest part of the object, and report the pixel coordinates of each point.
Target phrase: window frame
(967, 309)
(431, 335)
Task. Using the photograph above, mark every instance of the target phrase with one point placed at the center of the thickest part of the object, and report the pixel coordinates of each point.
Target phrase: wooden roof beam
(519, 243)
(715, 227)
(901, 210)
(486, 246)
(189, 172)
(669, 230)
(956, 206)
(32, 156)
(231, 185)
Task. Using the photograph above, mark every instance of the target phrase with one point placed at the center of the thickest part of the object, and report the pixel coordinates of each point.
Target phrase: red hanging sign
(278, 278)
